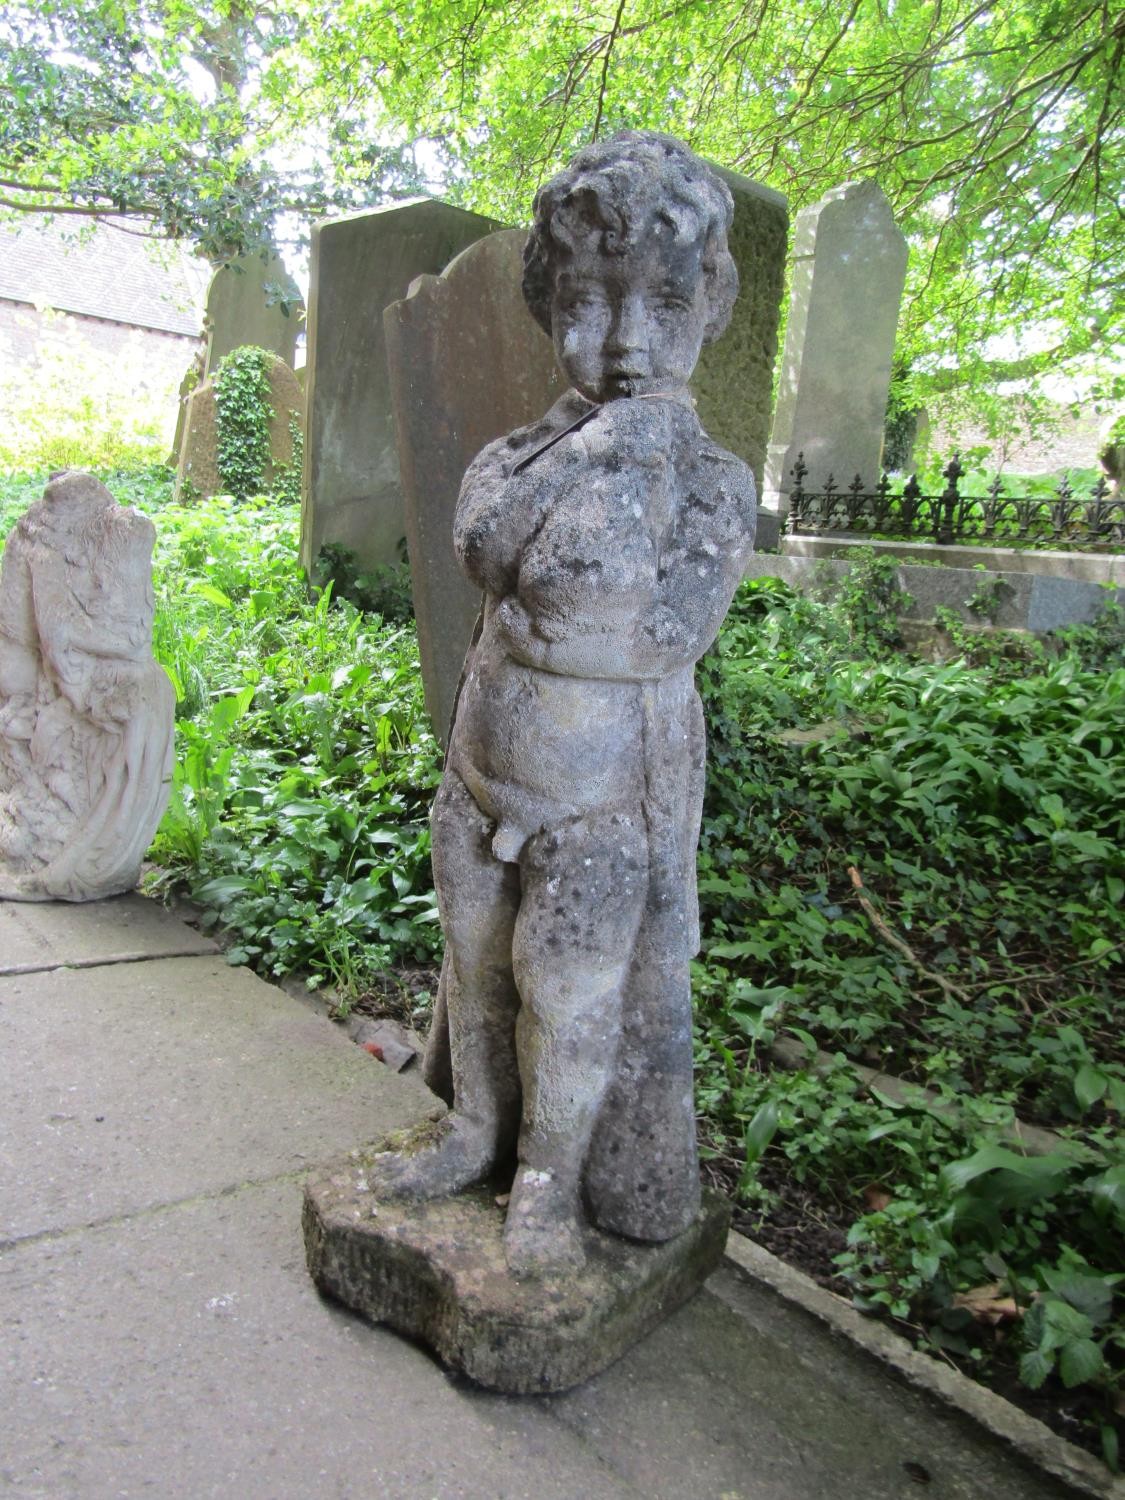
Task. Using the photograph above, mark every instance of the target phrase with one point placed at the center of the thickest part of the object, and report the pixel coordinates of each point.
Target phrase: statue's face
(631, 324)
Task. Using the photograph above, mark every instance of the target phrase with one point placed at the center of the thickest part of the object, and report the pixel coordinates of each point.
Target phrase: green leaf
(212, 594)
(761, 1131)
(956, 1176)
(1034, 1369)
(1080, 1362)
(220, 890)
(1108, 1191)
(1111, 1448)
(1090, 1084)
(1063, 1324)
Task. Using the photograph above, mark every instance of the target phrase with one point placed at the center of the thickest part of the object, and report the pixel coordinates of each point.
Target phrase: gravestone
(252, 300)
(849, 270)
(86, 713)
(199, 449)
(192, 377)
(474, 318)
(466, 362)
(733, 382)
(360, 263)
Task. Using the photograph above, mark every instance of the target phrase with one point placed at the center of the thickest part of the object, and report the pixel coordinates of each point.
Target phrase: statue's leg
(478, 897)
(584, 889)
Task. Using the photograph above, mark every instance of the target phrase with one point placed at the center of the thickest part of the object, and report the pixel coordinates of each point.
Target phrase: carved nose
(629, 332)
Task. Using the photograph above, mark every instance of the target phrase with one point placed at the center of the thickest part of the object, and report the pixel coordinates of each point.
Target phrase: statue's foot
(434, 1160)
(542, 1235)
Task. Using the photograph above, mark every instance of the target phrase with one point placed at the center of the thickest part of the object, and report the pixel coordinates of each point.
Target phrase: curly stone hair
(608, 195)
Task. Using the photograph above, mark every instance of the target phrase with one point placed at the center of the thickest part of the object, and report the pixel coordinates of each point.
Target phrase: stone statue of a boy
(608, 539)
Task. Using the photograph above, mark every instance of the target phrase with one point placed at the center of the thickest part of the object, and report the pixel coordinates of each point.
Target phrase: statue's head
(627, 266)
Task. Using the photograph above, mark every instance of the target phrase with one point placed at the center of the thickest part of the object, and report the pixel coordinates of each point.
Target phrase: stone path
(159, 1335)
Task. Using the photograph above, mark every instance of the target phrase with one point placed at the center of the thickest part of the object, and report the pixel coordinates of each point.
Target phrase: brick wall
(165, 356)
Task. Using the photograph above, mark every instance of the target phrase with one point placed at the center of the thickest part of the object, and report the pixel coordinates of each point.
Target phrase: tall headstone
(848, 276)
(733, 382)
(352, 495)
(466, 363)
(252, 300)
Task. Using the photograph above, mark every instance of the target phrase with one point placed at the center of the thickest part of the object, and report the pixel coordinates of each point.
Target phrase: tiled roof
(112, 274)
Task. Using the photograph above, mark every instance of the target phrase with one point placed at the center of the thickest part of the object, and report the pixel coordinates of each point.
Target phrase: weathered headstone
(252, 300)
(85, 711)
(849, 271)
(555, 1213)
(466, 363)
(733, 382)
(192, 377)
(199, 448)
(361, 262)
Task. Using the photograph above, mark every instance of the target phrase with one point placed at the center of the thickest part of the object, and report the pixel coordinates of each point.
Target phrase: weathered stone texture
(733, 382)
(436, 1272)
(607, 537)
(849, 271)
(85, 711)
(360, 263)
(466, 363)
(246, 304)
(199, 448)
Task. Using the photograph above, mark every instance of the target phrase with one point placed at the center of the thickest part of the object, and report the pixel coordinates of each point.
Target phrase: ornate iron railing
(996, 518)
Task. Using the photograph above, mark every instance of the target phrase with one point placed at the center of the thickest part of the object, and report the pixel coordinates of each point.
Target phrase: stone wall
(1038, 591)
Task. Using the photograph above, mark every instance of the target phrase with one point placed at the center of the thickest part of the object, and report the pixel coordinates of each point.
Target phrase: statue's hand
(633, 432)
(516, 630)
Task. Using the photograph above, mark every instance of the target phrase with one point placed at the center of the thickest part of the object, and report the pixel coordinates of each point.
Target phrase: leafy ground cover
(906, 867)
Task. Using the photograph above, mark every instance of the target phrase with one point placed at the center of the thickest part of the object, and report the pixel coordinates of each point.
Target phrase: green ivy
(242, 395)
(287, 480)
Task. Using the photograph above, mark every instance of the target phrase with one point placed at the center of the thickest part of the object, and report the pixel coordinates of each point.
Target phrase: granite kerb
(1078, 1472)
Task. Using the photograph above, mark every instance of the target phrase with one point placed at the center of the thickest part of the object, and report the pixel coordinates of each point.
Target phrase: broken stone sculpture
(85, 711)
(608, 539)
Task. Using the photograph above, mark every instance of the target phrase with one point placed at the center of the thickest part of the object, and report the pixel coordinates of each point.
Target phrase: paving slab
(145, 1083)
(37, 935)
(160, 1334)
(186, 1354)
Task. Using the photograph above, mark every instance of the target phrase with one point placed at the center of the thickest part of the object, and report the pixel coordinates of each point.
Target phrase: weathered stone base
(436, 1272)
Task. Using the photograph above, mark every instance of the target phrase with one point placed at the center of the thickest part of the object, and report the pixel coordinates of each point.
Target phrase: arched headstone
(849, 271)
(467, 363)
(252, 300)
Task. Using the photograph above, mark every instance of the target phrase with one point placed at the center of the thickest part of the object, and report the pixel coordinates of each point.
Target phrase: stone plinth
(848, 274)
(252, 300)
(360, 263)
(436, 1272)
(466, 363)
(733, 381)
